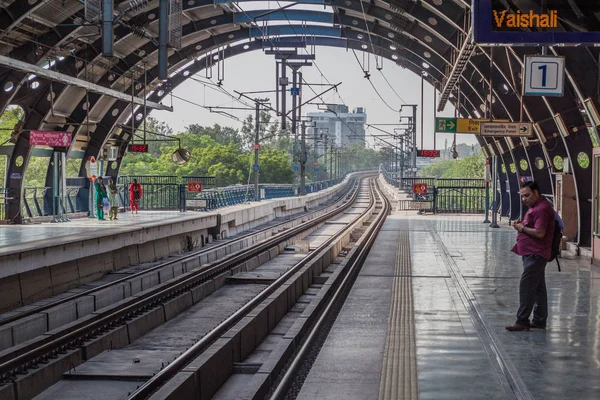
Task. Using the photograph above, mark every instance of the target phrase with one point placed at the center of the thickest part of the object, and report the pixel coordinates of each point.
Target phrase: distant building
(346, 128)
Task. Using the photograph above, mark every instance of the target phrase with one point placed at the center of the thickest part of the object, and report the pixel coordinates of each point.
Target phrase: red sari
(135, 194)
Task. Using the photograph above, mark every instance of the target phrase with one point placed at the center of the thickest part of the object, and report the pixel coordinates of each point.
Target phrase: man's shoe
(517, 327)
(537, 326)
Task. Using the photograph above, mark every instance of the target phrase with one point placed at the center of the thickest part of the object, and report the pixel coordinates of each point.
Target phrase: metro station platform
(426, 320)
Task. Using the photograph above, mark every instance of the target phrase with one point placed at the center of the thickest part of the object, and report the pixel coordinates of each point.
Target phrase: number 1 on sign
(544, 69)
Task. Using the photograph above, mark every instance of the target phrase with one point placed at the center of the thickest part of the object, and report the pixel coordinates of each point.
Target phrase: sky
(255, 71)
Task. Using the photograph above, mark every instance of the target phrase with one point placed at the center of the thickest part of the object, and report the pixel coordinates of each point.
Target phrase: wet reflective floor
(465, 284)
(562, 362)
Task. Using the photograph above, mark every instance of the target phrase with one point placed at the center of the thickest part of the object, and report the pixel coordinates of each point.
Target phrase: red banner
(420, 188)
(195, 187)
(55, 139)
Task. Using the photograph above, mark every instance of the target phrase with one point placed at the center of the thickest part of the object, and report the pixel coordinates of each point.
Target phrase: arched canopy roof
(422, 36)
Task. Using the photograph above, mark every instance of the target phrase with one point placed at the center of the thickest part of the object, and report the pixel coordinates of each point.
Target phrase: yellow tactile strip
(399, 374)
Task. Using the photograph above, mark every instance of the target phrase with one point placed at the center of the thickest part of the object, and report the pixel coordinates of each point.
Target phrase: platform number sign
(544, 75)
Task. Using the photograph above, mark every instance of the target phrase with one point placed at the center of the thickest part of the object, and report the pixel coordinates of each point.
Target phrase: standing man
(534, 245)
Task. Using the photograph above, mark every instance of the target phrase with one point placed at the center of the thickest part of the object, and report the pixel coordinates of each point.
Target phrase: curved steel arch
(540, 110)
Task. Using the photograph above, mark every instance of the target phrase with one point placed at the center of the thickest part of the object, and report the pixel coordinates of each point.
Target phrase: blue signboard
(295, 91)
(296, 168)
(15, 175)
(530, 25)
(256, 167)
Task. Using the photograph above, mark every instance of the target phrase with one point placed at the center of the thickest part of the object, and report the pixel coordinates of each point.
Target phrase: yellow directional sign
(461, 125)
(466, 125)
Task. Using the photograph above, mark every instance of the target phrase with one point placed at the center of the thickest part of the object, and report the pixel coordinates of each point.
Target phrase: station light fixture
(560, 123)
(485, 152)
(592, 112)
(510, 143)
(539, 133)
(499, 146)
(491, 149)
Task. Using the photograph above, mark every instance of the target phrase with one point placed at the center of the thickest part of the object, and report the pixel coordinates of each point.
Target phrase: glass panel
(583, 160)
(523, 164)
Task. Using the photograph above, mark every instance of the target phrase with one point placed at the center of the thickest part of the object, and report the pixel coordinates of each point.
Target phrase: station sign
(460, 125)
(506, 129)
(47, 138)
(195, 203)
(544, 75)
(529, 24)
(194, 187)
(420, 188)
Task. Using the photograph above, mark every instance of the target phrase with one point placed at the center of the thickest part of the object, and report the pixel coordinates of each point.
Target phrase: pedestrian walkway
(464, 283)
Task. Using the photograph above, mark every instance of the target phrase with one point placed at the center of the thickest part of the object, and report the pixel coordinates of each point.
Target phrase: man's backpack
(556, 238)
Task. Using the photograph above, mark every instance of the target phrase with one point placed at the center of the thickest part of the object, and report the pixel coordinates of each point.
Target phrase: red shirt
(540, 216)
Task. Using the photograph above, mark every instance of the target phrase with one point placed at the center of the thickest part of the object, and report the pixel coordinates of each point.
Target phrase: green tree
(221, 135)
(8, 120)
(469, 167)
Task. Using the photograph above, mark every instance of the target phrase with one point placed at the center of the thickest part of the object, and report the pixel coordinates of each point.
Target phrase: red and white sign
(420, 188)
(257, 147)
(55, 139)
(195, 187)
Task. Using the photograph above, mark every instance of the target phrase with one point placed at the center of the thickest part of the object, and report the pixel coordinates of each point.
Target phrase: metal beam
(71, 80)
(457, 69)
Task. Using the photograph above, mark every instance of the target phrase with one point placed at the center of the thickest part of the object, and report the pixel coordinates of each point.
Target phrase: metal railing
(231, 195)
(159, 193)
(445, 195)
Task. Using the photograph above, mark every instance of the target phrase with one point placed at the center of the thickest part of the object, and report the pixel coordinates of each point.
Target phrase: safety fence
(443, 195)
(158, 193)
(222, 197)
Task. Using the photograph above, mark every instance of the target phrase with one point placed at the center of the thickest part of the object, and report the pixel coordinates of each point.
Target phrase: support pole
(283, 96)
(494, 223)
(303, 161)
(434, 115)
(414, 142)
(422, 106)
(331, 163)
(487, 191)
(107, 28)
(163, 37)
(294, 110)
(55, 187)
(256, 141)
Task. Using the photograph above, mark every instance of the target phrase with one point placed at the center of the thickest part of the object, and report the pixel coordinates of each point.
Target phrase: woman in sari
(100, 196)
(135, 195)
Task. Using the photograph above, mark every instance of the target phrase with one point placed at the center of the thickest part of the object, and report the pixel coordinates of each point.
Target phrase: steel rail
(357, 259)
(158, 380)
(29, 355)
(186, 257)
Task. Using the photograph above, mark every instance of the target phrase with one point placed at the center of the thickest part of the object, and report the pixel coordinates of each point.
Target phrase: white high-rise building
(340, 125)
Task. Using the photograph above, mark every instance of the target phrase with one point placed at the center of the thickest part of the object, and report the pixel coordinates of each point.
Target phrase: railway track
(352, 243)
(182, 259)
(30, 359)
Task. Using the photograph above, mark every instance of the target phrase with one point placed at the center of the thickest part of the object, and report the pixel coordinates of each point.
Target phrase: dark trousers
(532, 291)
